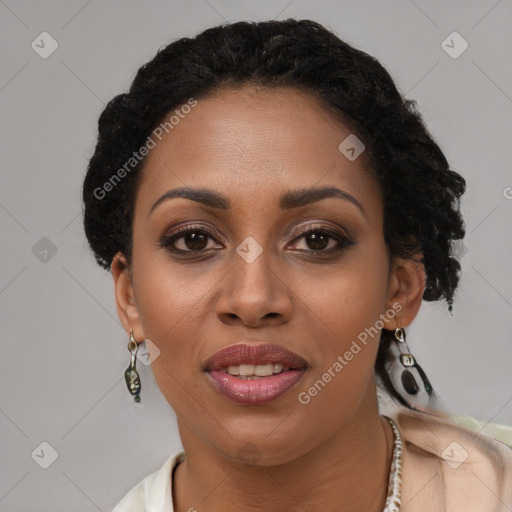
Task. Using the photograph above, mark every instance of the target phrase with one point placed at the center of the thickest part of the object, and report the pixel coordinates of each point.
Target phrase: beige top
(446, 468)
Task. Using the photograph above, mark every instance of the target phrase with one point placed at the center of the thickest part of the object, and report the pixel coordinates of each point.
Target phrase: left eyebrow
(289, 200)
(303, 196)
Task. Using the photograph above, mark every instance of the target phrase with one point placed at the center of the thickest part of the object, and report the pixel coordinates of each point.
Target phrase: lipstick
(254, 373)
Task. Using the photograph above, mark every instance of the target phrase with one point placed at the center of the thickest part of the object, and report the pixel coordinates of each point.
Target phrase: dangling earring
(131, 375)
(408, 361)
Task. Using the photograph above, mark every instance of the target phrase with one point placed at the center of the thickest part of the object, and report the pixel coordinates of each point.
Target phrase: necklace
(394, 499)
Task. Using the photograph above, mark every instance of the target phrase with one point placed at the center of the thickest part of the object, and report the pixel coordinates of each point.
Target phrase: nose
(255, 293)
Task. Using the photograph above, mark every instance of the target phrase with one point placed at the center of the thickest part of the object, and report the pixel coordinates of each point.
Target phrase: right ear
(126, 304)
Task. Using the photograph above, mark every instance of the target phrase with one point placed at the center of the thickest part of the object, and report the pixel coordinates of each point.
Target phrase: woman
(273, 212)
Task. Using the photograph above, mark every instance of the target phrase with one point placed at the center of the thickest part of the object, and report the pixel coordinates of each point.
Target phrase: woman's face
(246, 273)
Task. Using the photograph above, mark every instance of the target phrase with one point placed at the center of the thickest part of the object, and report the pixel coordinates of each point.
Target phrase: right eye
(193, 239)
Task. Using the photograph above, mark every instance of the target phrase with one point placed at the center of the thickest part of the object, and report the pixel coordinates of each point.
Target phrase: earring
(408, 361)
(131, 375)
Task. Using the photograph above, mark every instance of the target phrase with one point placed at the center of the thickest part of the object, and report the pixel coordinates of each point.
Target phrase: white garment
(435, 479)
(154, 492)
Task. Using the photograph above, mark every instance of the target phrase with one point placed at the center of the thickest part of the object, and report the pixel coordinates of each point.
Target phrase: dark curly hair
(420, 192)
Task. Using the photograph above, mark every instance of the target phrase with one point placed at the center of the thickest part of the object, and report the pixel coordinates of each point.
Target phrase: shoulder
(498, 431)
(154, 492)
(449, 467)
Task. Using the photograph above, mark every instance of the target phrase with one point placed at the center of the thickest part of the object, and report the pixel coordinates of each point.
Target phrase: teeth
(263, 370)
(256, 370)
(246, 369)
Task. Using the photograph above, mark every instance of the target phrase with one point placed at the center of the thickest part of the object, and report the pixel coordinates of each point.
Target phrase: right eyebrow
(201, 195)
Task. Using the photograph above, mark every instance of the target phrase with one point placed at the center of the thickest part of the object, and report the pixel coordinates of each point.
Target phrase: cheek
(347, 312)
(169, 305)
(348, 301)
(341, 380)
(169, 294)
(169, 315)
(174, 310)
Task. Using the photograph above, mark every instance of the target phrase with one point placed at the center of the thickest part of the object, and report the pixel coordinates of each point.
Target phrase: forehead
(252, 142)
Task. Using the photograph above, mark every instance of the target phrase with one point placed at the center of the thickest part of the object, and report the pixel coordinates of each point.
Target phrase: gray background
(63, 350)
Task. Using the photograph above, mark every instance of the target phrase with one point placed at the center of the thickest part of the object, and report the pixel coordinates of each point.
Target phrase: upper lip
(247, 353)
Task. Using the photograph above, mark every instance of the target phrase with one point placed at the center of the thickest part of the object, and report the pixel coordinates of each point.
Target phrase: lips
(244, 384)
(245, 354)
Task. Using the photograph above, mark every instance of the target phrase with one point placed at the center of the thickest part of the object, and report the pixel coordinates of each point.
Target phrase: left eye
(318, 240)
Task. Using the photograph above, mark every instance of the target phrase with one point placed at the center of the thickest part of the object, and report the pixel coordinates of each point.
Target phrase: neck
(348, 471)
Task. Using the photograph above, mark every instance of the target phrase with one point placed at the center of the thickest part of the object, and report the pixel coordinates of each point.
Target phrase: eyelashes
(169, 240)
(195, 240)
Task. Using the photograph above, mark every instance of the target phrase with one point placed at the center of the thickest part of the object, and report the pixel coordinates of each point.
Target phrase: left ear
(406, 285)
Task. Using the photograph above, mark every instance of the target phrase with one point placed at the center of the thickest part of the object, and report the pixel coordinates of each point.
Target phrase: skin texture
(252, 145)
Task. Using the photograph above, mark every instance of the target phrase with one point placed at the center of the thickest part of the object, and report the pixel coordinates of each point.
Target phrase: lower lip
(255, 391)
